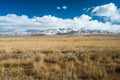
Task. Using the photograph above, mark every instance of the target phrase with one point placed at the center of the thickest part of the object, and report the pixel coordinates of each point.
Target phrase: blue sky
(48, 7)
(22, 15)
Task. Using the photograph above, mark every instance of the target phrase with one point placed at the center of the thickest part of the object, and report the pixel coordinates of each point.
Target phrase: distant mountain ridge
(60, 31)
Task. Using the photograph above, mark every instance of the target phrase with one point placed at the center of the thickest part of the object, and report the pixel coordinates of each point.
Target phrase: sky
(21, 15)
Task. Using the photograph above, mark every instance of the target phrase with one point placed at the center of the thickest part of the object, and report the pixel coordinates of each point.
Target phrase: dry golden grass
(85, 57)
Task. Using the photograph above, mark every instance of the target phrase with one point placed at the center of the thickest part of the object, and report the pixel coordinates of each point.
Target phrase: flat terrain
(77, 57)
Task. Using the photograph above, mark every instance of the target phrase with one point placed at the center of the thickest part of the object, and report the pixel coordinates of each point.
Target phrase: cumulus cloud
(15, 23)
(21, 23)
(109, 12)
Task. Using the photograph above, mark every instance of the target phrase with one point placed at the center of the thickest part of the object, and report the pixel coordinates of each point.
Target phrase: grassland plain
(78, 57)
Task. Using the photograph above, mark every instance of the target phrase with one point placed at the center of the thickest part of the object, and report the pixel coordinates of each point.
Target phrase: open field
(78, 57)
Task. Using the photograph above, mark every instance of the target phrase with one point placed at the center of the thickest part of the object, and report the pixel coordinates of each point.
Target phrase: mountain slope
(60, 31)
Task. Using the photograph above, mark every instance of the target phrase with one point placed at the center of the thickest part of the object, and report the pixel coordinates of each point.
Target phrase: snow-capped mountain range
(60, 31)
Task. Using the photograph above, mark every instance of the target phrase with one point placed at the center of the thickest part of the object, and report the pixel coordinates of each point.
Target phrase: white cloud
(88, 9)
(58, 8)
(64, 7)
(109, 12)
(21, 23)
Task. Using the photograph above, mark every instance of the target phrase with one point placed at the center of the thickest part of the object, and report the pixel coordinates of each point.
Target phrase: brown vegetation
(78, 57)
